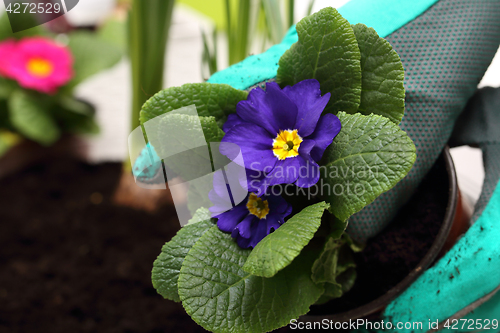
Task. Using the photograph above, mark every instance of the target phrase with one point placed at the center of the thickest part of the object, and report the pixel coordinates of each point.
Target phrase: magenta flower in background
(36, 63)
(7, 50)
(282, 133)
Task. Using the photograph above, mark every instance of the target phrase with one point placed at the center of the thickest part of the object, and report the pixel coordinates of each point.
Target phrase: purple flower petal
(244, 243)
(272, 223)
(285, 171)
(258, 233)
(328, 128)
(233, 120)
(228, 221)
(220, 186)
(245, 226)
(270, 109)
(310, 104)
(309, 173)
(278, 206)
(255, 144)
(256, 183)
(220, 205)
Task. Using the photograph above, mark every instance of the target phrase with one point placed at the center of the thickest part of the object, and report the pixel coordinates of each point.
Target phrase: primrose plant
(315, 146)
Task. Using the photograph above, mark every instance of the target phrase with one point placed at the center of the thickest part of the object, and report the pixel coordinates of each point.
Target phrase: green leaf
(31, 117)
(327, 51)
(200, 215)
(169, 126)
(167, 266)
(216, 100)
(347, 279)
(335, 267)
(114, 31)
(220, 296)
(332, 290)
(344, 283)
(337, 227)
(189, 163)
(212, 131)
(168, 136)
(278, 249)
(382, 91)
(324, 268)
(75, 116)
(91, 55)
(355, 247)
(368, 157)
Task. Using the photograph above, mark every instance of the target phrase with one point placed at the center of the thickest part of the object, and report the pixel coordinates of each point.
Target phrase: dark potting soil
(72, 261)
(390, 256)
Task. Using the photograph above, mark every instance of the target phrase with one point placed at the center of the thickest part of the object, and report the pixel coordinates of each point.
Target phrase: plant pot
(451, 220)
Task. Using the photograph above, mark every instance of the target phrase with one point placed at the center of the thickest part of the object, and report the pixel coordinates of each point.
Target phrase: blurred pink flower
(37, 63)
(7, 50)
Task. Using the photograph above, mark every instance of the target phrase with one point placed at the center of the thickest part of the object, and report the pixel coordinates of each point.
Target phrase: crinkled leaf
(367, 158)
(167, 266)
(32, 118)
(220, 296)
(216, 100)
(337, 227)
(324, 268)
(278, 249)
(382, 91)
(167, 128)
(344, 283)
(91, 54)
(355, 247)
(335, 267)
(327, 51)
(200, 215)
(332, 290)
(190, 163)
(347, 279)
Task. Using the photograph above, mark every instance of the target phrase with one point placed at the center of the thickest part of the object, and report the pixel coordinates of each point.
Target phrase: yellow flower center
(39, 67)
(286, 144)
(257, 206)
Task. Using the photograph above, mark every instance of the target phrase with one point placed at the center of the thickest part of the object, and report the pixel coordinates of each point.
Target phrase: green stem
(291, 8)
(149, 24)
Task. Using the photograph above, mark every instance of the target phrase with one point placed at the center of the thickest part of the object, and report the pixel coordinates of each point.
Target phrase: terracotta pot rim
(380, 303)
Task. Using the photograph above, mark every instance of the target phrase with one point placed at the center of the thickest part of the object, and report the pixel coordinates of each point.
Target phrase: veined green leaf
(325, 267)
(327, 51)
(167, 266)
(382, 91)
(278, 249)
(335, 267)
(220, 296)
(368, 157)
(216, 100)
(200, 215)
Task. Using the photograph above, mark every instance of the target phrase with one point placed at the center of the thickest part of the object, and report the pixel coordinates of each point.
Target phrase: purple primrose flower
(250, 220)
(282, 133)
